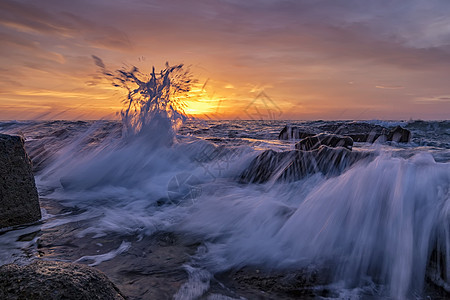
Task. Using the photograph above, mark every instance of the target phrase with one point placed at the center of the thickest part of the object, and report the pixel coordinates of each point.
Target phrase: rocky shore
(19, 205)
(152, 266)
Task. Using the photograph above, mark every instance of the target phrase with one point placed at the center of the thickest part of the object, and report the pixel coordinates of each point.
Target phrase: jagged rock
(330, 140)
(293, 133)
(399, 135)
(19, 201)
(295, 165)
(359, 132)
(43, 280)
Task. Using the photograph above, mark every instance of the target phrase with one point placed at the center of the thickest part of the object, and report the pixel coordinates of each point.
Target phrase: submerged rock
(295, 165)
(55, 280)
(252, 283)
(330, 140)
(19, 201)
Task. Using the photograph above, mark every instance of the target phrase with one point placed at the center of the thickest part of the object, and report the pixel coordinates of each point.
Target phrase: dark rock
(293, 133)
(295, 165)
(19, 201)
(330, 140)
(369, 133)
(365, 137)
(55, 280)
(251, 283)
(399, 135)
(358, 131)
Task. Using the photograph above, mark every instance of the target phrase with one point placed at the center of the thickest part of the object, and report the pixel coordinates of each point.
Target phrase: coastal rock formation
(19, 202)
(43, 280)
(330, 140)
(399, 135)
(359, 132)
(293, 133)
(295, 165)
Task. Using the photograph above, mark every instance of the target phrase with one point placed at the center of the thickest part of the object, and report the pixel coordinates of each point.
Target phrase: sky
(265, 59)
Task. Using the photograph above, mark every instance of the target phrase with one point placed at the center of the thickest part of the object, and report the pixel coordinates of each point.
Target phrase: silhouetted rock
(330, 140)
(293, 133)
(43, 280)
(297, 164)
(19, 202)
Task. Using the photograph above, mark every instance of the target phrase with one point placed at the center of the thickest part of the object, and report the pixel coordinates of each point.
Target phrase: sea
(163, 212)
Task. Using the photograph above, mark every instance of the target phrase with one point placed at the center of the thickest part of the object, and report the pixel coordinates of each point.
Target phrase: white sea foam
(98, 259)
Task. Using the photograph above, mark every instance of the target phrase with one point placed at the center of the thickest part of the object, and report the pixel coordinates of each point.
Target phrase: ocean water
(380, 228)
(156, 201)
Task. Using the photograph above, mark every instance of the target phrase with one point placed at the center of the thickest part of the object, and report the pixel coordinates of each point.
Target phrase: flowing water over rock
(224, 209)
(175, 219)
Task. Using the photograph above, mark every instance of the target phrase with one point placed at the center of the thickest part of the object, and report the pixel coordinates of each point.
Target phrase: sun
(201, 107)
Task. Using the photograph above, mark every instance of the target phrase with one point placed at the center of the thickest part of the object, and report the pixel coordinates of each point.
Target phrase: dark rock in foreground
(19, 202)
(295, 165)
(55, 280)
(330, 140)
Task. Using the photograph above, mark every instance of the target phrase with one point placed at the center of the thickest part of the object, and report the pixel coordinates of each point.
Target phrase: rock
(19, 201)
(330, 140)
(43, 280)
(293, 133)
(357, 131)
(250, 283)
(399, 135)
(369, 133)
(297, 164)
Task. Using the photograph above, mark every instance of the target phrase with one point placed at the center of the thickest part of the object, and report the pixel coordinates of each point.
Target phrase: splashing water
(151, 99)
(386, 219)
(153, 111)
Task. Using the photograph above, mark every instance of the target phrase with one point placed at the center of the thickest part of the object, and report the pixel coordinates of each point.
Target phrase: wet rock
(399, 135)
(19, 201)
(330, 140)
(252, 283)
(369, 133)
(293, 133)
(297, 164)
(358, 131)
(55, 280)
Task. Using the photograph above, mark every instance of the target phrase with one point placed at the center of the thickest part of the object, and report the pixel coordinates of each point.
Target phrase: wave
(386, 219)
(382, 220)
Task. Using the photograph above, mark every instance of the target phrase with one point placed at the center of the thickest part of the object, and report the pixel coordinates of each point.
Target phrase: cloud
(300, 51)
(61, 25)
(431, 99)
(390, 87)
